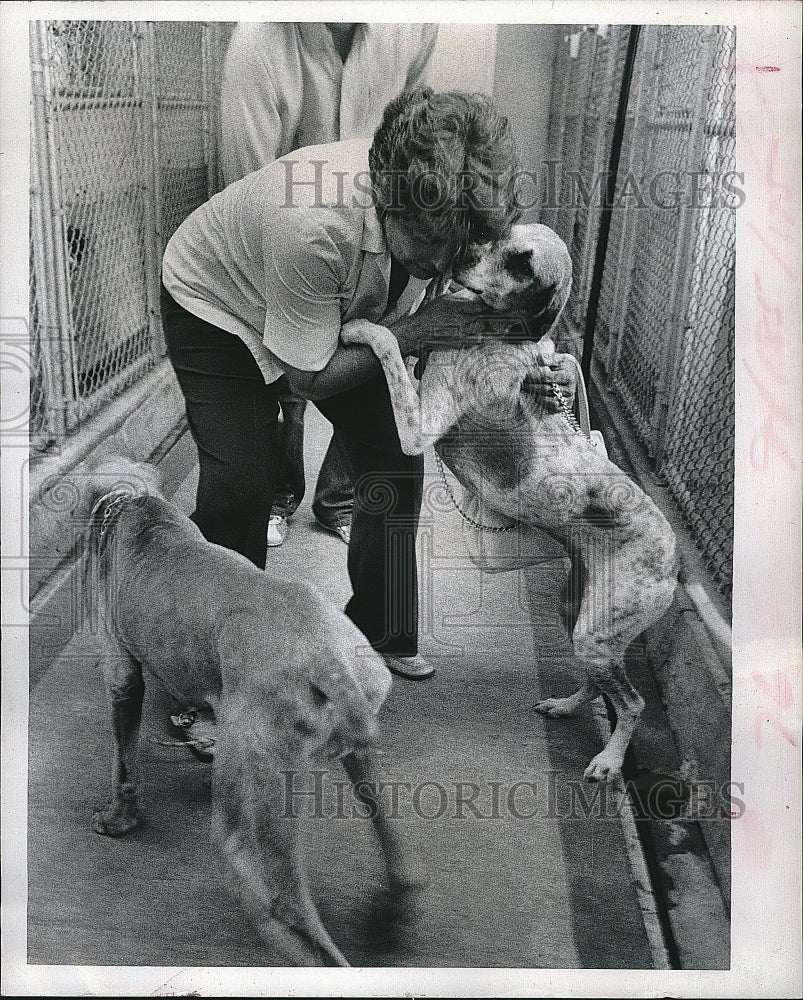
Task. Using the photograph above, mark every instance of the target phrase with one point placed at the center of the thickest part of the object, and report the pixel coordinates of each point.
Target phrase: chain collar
(496, 529)
(564, 407)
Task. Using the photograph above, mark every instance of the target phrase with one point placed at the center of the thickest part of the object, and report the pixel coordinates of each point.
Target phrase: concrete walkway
(511, 883)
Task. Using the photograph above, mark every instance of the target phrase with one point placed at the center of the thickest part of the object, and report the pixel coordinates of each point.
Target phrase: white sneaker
(343, 531)
(413, 668)
(277, 530)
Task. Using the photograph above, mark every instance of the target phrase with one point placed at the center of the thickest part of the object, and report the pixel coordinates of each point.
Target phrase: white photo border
(766, 941)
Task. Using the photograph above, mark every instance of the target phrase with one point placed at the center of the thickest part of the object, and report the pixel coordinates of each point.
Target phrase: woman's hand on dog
(539, 385)
(444, 320)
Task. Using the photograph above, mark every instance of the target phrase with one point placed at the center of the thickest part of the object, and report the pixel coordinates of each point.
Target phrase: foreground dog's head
(526, 277)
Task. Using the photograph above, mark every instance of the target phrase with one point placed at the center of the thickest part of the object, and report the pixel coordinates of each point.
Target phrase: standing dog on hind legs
(290, 679)
(535, 467)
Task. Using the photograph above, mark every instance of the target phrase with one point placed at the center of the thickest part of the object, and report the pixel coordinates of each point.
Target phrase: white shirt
(285, 86)
(283, 268)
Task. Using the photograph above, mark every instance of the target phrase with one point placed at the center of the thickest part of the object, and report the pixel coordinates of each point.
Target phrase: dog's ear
(558, 298)
(547, 303)
(552, 281)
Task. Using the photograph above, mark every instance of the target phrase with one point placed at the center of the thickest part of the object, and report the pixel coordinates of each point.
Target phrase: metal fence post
(42, 253)
(582, 68)
(144, 88)
(548, 213)
(209, 116)
(221, 36)
(600, 161)
(624, 253)
(610, 193)
(153, 132)
(56, 286)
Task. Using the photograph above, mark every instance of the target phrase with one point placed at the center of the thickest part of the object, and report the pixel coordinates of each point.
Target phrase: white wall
(513, 62)
(464, 58)
(523, 85)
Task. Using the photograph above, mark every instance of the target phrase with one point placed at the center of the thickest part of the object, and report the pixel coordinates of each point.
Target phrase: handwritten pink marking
(772, 251)
(777, 685)
(760, 721)
(778, 688)
(776, 233)
(769, 338)
(758, 844)
(787, 190)
(768, 440)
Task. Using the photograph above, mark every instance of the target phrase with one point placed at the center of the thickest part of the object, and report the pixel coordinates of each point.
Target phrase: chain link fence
(37, 420)
(702, 407)
(663, 336)
(123, 148)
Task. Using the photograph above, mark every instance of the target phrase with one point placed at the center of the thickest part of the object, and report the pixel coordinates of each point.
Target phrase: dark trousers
(233, 419)
(334, 491)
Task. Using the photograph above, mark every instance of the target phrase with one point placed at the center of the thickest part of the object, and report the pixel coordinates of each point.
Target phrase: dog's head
(526, 277)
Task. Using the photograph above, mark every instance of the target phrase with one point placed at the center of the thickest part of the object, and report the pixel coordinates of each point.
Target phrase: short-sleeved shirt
(285, 256)
(286, 86)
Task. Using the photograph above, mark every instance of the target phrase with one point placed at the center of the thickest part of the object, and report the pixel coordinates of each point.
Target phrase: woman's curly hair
(446, 163)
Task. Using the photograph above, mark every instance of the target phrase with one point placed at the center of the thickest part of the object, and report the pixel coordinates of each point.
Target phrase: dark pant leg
(232, 416)
(387, 503)
(290, 479)
(334, 493)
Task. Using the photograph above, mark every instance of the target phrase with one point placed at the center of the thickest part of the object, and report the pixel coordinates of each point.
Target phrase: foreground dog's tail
(101, 494)
(113, 477)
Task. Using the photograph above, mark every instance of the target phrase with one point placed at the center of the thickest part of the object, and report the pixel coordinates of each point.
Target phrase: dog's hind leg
(125, 690)
(612, 615)
(608, 671)
(392, 917)
(256, 827)
(628, 588)
(559, 708)
(571, 603)
(361, 768)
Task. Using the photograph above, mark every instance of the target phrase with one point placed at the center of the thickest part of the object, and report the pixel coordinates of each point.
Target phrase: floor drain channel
(644, 876)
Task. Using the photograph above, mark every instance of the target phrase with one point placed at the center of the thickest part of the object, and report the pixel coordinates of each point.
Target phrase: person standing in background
(294, 84)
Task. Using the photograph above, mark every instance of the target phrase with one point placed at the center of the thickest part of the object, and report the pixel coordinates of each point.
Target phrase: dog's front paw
(117, 819)
(604, 767)
(358, 331)
(556, 708)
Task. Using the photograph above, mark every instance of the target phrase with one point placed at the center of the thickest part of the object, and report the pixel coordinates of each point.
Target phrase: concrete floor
(510, 891)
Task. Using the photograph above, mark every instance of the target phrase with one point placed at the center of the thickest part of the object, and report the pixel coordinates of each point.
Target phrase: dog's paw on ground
(115, 821)
(604, 767)
(555, 708)
(392, 918)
